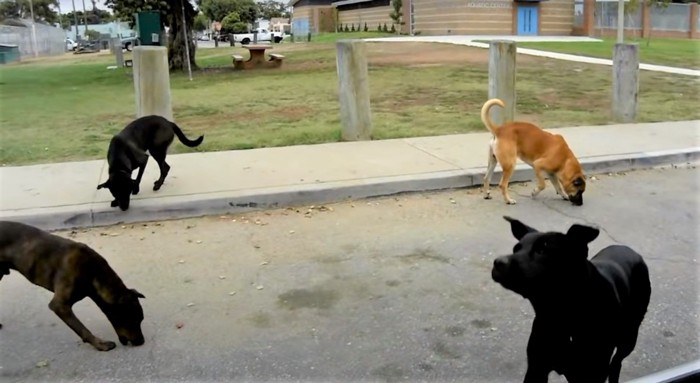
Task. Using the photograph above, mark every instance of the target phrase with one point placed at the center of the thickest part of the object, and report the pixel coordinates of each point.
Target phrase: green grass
(333, 37)
(68, 110)
(684, 53)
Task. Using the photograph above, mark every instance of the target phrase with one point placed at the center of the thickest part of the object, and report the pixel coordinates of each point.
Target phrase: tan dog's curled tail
(485, 113)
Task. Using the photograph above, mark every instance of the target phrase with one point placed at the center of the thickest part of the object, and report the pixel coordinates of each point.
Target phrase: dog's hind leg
(62, 308)
(159, 156)
(507, 173)
(489, 172)
(624, 347)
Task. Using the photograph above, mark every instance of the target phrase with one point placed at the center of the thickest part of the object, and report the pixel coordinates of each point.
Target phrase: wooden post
(353, 81)
(589, 17)
(502, 79)
(625, 82)
(152, 81)
(694, 11)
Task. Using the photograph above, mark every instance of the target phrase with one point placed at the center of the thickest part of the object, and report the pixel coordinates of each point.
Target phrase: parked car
(203, 38)
(71, 45)
(263, 35)
(129, 42)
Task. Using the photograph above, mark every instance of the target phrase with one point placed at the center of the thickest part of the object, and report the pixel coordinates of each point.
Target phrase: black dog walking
(584, 310)
(127, 151)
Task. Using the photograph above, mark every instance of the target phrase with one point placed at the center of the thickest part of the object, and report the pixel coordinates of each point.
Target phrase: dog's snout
(500, 263)
(576, 199)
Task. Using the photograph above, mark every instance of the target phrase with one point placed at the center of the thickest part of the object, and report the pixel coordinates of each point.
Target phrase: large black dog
(73, 271)
(127, 151)
(584, 310)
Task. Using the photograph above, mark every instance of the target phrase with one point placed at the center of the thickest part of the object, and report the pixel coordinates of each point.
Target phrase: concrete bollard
(502, 79)
(118, 52)
(152, 81)
(353, 81)
(625, 82)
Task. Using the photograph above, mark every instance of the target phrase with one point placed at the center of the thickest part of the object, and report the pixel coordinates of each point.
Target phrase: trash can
(9, 53)
(148, 28)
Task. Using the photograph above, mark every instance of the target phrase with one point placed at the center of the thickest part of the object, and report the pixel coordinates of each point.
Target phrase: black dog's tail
(185, 140)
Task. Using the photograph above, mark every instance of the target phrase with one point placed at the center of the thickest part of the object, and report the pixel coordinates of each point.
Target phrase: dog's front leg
(543, 352)
(142, 167)
(536, 166)
(557, 185)
(65, 312)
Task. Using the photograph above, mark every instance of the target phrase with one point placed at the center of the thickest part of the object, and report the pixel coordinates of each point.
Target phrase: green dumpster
(148, 28)
(9, 53)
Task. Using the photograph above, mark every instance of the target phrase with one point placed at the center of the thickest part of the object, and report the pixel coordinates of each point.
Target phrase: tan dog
(547, 154)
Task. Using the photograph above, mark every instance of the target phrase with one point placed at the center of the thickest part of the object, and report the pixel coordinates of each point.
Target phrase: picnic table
(257, 58)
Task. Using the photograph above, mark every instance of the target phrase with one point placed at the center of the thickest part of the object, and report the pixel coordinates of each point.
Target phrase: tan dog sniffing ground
(547, 153)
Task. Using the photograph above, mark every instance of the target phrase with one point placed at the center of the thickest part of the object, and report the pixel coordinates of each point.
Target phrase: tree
(201, 23)
(171, 16)
(94, 16)
(92, 34)
(271, 8)
(216, 10)
(232, 24)
(19, 9)
(396, 13)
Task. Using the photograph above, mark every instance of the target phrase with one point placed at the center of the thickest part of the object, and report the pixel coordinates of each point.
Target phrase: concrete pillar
(625, 82)
(152, 81)
(353, 81)
(502, 79)
(119, 54)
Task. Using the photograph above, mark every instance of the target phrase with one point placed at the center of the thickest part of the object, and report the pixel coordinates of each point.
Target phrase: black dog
(72, 271)
(583, 309)
(127, 151)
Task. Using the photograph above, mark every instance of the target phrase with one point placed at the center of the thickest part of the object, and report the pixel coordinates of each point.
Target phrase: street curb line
(232, 202)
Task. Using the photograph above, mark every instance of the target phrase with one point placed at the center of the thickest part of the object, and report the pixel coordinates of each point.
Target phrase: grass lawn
(683, 53)
(67, 108)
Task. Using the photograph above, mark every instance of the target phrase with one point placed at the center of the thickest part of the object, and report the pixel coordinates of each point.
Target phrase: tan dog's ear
(104, 185)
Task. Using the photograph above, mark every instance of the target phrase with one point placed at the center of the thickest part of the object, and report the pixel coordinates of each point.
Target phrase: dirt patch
(428, 54)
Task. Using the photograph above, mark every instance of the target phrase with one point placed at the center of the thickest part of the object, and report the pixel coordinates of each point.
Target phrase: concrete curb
(89, 215)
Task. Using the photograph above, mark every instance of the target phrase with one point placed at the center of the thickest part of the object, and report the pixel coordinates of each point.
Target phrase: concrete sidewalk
(64, 195)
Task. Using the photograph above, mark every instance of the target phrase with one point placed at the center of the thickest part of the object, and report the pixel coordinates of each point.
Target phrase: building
(440, 17)
(312, 16)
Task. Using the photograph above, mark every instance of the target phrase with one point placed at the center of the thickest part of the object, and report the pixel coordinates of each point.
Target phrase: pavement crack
(584, 220)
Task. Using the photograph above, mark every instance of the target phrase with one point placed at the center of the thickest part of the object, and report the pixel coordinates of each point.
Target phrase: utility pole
(85, 18)
(620, 21)
(75, 16)
(31, 10)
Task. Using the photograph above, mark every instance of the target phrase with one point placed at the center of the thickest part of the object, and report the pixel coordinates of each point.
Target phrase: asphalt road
(390, 289)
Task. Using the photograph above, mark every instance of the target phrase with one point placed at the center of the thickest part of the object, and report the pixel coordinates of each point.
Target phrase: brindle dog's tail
(486, 109)
(185, 140)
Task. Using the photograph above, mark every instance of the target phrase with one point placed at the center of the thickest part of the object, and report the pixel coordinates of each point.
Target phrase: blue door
(527, 20)
(300, 27)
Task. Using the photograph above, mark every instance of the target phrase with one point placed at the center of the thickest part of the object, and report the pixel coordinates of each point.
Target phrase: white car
(71, 45)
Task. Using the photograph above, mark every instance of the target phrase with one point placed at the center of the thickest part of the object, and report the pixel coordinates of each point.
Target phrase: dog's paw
(114, 203)
(102, 345)
(535, 192)
(487, 196)
(157, 185)
(135, 190)
(510, 201)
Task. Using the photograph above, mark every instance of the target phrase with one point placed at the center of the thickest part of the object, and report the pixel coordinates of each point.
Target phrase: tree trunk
(177, 55)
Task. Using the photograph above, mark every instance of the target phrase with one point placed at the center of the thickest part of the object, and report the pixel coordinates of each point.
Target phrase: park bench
(236, 58)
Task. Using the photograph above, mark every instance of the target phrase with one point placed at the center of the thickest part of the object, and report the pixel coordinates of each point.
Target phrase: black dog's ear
(104, 185)
(582, 234)
(579, 182)
(138, 294)
(518, 228)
